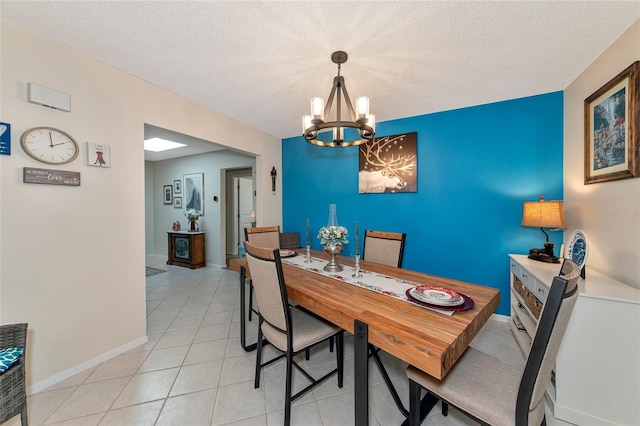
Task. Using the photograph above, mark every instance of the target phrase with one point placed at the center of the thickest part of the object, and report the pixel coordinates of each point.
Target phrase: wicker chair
(492, 392)
(13, 390)
(290, 330)
(386, 248)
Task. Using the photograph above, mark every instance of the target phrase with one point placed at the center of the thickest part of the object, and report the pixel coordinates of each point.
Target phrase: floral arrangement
(192, 215)
(333, 235)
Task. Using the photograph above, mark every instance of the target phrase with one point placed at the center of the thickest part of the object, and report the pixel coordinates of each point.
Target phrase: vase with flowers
(332, 238)
(192, 217)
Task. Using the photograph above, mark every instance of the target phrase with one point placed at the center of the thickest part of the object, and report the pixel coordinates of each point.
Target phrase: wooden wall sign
(50, 177)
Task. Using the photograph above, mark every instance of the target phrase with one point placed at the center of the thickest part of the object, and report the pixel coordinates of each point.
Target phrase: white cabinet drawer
(540, 291)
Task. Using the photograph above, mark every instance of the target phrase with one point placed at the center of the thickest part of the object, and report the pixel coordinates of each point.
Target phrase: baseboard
(501, 318)
(64, 375)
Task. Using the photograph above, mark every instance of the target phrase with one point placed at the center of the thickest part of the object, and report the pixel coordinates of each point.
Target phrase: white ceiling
(261, 62)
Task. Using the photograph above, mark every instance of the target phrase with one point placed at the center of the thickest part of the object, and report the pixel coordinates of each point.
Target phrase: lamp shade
(543, 214)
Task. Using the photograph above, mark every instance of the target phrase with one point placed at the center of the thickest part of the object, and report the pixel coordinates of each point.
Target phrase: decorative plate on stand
(577, 248)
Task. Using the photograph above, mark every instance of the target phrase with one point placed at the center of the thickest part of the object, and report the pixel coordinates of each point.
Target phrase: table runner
(380, 283)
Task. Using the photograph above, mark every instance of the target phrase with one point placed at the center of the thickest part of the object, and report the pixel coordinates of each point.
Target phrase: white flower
(192, 214)
(333, 235)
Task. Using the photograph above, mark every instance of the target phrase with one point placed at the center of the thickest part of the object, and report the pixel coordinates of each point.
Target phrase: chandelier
(321, 114)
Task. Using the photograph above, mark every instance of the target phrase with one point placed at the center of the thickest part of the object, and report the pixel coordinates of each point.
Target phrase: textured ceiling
(261, 62)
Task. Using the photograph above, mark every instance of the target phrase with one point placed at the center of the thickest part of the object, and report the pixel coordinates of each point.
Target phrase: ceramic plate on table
(467, 303)
(577, 248)
(287, 253)
(435, 295)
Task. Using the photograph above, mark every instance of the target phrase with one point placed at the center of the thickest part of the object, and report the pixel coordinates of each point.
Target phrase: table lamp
(544, 214)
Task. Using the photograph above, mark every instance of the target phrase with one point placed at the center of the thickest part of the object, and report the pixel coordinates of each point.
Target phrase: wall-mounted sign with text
(50, 177)
(5, 138)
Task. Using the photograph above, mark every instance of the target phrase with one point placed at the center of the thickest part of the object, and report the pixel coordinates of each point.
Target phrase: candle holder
(357, 267)
(308, 260)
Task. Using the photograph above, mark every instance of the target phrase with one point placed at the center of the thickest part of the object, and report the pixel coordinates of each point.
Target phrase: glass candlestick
(308, 260)
(357, 267)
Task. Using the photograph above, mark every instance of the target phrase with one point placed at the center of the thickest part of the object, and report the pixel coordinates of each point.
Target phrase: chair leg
(414, 403)
(23, 415)
(331, 344)
(340, 357)
(306, 354)
(287, 396)
(445, 409)
(250, 299)
(258, 356)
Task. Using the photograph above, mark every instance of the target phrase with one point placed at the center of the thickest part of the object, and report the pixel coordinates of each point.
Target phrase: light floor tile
(138, 415)
(147, 387)
(159, 359)
(89, 399)
(194, 409)
(197, 377)
(238, 402)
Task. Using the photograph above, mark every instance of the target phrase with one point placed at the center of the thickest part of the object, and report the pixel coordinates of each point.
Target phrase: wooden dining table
(428, 340)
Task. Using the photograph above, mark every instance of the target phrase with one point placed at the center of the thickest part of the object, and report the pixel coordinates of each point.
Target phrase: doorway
(240, 193)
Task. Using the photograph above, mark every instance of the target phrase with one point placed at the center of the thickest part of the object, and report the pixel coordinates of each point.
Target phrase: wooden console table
(186, 249)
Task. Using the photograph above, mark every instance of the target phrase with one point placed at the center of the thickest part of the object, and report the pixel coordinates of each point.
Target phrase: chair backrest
(386, 248)
(268, 283)
(553, 323)
(263, 236)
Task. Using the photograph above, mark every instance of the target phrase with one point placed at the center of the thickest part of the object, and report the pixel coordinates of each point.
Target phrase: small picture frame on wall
(177, 187)
(168, 194)
(177, 202)
(98, 154)
(612, 123)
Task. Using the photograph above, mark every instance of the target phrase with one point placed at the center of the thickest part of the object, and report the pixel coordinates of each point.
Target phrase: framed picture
(168, 194)
(389, 164)
(177, 202)
(177, 187)
(193, 192)
(612, 122)
(98, 154)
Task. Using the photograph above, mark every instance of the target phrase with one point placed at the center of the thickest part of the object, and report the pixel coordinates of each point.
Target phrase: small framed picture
(98, 154)
(168, 194)
(177, 187)
(177, 202)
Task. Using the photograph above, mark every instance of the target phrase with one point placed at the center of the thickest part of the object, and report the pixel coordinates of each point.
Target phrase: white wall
(73, 257)
(608, 212)
(213, 221)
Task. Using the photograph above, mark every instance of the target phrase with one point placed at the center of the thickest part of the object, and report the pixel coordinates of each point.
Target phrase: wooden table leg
(361, 372)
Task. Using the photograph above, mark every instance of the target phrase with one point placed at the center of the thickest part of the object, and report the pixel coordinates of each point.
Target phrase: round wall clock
(49, 145)
(577, 248)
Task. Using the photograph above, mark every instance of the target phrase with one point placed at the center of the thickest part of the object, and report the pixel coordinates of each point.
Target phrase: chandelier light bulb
(371, 121)
(306, 122)
(317, 108)
(362, 106)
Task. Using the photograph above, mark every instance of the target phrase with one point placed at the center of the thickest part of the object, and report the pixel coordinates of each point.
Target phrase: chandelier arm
(352, 113)
(327, 106)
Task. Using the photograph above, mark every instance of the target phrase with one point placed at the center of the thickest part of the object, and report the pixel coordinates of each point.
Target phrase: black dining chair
(289, 329)
(492, 392)
(263, 236)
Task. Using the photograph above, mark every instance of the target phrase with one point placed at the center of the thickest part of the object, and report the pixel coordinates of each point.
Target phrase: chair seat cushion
(307, 330)
(480, 384)
(8, 357)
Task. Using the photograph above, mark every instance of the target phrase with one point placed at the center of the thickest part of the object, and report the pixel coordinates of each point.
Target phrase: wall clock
(577, 248)
(49, 145)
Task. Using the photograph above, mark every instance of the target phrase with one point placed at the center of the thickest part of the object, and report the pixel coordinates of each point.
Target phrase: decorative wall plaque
(50, 177)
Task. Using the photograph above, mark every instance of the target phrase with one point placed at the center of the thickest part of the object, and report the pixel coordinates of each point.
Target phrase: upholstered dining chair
(262, 236)
(13, 389)
(289, 329)
(386, 248)
(492, 392)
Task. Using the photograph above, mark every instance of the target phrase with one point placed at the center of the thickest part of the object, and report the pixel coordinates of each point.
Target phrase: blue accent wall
(476, 166)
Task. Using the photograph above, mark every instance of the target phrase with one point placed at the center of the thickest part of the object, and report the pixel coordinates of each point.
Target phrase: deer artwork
(385, 176)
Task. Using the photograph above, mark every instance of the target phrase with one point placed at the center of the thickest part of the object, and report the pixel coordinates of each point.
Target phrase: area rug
(153, 271)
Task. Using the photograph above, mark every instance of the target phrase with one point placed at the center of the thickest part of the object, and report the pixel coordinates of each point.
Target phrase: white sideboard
(597, 376)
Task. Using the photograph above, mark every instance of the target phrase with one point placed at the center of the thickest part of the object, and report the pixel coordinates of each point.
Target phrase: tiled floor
(193, 371)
